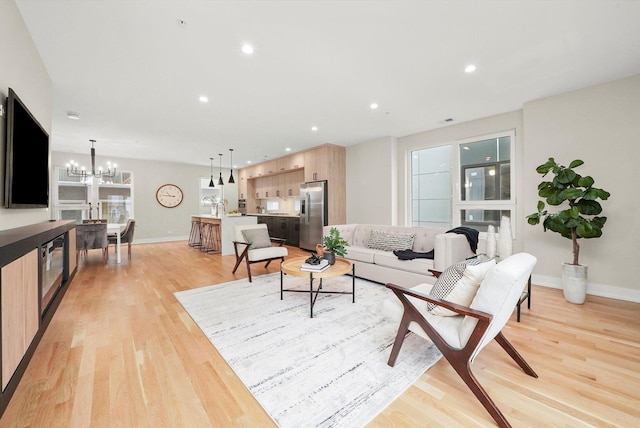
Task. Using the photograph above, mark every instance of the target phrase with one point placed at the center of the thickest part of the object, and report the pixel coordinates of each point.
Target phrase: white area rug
(326, 371)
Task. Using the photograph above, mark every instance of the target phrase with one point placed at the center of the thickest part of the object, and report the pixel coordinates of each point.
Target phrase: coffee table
(341, 267)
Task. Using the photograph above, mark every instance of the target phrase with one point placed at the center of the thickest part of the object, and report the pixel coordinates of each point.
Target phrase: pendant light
(211, 181)
(220, 182)
(231, 180)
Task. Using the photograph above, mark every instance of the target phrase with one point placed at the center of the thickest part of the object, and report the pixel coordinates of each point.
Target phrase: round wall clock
(169, 195)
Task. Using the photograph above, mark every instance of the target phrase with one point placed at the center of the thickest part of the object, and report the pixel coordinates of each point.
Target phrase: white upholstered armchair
(253, 245)
(461, 334)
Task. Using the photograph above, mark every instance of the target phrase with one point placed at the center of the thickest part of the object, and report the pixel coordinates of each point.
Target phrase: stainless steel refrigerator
(313, 213)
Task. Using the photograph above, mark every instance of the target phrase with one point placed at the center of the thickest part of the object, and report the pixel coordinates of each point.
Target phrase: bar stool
(210, 237)
(195, 237)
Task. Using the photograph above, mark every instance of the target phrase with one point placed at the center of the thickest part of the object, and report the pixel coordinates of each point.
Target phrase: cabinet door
(316, 164)
(291, 162)
(242, 184)
(19, 311)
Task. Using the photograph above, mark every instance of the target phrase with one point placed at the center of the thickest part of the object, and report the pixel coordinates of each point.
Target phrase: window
(431, 187)
(485, 194)
(76, 198)
(485, 181)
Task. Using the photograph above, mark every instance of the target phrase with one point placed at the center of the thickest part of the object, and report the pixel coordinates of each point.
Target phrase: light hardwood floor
(121, 351)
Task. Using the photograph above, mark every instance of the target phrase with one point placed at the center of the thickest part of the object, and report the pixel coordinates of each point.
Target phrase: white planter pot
(574, 283)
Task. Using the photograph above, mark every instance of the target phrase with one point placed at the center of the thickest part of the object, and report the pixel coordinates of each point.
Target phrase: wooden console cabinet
(37, 263)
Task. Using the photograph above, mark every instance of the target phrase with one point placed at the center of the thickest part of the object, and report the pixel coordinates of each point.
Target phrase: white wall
(22, 70)
(601, 126)
(372, 182)
(155, 223)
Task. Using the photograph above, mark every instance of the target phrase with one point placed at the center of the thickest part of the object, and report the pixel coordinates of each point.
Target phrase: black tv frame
(25, 166)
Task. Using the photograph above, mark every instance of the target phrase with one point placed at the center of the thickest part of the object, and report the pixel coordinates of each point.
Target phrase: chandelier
(74, 171)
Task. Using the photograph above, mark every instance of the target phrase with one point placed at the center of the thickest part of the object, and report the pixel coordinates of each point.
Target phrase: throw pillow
(390, 241)
(257, 238)
(459, 284)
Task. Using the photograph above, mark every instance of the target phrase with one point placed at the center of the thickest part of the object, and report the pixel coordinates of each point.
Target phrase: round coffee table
(341, 267)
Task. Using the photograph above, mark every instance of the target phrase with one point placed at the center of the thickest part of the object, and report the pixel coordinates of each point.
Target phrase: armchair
(461, 337)
(253, 245)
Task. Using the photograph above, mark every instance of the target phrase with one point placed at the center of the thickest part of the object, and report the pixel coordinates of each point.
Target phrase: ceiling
(134, 70)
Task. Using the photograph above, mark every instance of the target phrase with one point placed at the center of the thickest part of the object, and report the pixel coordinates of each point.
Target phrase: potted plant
(334, 245)
(578, 219)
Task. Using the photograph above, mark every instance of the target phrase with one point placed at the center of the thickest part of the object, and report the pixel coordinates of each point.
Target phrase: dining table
(117, 229)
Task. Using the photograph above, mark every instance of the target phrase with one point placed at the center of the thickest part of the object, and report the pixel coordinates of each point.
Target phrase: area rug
(326, 371)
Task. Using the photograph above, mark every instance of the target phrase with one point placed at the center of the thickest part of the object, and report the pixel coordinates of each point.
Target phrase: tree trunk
(576, 246)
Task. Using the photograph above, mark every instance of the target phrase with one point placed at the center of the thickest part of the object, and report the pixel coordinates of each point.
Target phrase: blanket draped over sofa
(371, 249)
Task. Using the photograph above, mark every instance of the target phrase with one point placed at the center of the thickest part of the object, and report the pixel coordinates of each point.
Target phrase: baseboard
(593, 288)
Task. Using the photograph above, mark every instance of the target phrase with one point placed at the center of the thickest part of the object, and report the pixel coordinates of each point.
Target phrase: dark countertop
(274, 215)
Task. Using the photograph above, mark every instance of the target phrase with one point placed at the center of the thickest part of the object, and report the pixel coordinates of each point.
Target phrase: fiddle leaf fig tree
(579, 218)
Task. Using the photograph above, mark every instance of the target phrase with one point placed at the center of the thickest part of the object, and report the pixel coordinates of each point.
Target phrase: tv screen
(26, 158)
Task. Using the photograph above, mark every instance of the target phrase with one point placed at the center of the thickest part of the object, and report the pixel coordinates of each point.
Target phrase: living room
(597, 124)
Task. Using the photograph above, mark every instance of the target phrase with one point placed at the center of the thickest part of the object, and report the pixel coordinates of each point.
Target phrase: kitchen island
(284, 226)
(226, 224)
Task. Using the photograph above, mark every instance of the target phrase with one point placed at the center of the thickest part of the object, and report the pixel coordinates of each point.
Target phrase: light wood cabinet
(19, 311)
(291, 162)
(282, 178)
(242, 184)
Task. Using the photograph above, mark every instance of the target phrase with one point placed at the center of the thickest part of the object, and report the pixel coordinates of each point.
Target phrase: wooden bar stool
(195, 237)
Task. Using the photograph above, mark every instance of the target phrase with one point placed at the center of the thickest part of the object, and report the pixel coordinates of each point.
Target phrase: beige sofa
(384, 266)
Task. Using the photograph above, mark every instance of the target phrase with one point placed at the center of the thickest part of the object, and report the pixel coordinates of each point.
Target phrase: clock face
(169, 195)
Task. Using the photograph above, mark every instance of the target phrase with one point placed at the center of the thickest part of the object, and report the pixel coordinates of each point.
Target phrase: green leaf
(585, 181)
(540, 206)
(576, 163)
(555, 198)
(587, 207)
(571, 194)
(566, 176)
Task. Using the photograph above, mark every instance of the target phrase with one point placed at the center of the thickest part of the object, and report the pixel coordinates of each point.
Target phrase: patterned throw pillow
(459, 284)
(390, 241)
(257, 238)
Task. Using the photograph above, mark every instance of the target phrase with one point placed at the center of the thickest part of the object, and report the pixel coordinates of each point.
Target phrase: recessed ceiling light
(203, 99)
(74, 116)
(288, 149)
(314, 128)
(470, 68)
(181, 23)
(248, 161)
(247, 49)
(373, 106)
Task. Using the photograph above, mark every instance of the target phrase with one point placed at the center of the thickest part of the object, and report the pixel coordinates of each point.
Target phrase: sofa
(371, 251)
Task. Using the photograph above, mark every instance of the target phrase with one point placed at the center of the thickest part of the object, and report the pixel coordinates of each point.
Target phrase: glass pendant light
(220, 182)
(211, 182)
(231, 180)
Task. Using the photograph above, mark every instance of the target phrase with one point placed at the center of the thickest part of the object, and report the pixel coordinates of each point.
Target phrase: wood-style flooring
(122, 352)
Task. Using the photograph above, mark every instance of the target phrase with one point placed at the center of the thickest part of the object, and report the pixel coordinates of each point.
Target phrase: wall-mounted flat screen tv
(26, 182)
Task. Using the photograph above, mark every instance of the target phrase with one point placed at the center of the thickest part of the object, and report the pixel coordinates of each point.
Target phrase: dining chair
(90, 236)
(126, 236)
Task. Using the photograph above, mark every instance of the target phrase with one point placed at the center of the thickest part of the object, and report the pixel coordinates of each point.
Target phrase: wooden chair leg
(464, 371)
(403, 329)
(248, 268)
(507, 346)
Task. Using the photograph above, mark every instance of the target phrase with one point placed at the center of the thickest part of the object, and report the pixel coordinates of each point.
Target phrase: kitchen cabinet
(287, 228)
(242, 184)
(291, 162)
(265, 168)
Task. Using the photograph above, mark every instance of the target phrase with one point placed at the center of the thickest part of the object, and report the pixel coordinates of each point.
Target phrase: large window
(484, 169)
(431, 187)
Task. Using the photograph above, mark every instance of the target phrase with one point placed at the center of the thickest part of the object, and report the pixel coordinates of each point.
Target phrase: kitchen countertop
(274, 215)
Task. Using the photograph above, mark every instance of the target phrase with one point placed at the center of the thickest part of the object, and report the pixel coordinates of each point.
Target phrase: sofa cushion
(389, 241)
(257, 238)
(459, 284)
(360, 254)
(390, 260)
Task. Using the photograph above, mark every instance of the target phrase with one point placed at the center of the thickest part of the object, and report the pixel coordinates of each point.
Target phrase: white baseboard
(593, 288)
